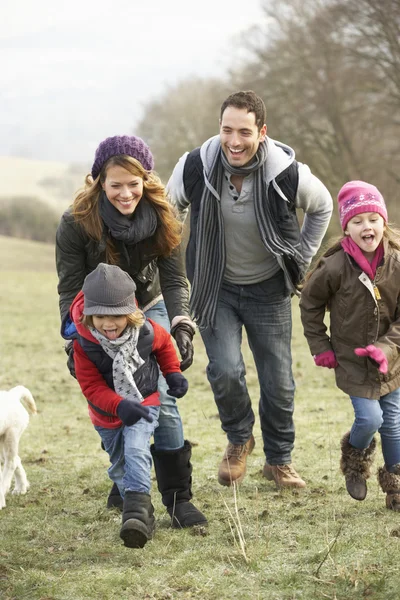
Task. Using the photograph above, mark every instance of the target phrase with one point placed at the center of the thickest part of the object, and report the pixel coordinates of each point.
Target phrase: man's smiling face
(240, 136)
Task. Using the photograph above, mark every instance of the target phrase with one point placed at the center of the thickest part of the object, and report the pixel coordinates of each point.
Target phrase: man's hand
(183, 334)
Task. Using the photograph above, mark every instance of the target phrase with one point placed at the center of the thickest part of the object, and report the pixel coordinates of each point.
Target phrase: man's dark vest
(146, 377)
(284, 213)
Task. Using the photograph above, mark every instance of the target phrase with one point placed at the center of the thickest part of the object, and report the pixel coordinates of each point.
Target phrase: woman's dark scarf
(131, 229)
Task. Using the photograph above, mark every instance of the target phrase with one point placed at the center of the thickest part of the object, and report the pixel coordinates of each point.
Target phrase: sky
(73, 73)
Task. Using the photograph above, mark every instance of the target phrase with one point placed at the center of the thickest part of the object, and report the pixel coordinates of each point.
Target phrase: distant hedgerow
(27, 217)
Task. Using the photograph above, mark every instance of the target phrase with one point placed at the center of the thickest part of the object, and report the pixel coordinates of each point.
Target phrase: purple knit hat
(357, 197)
(122, 144)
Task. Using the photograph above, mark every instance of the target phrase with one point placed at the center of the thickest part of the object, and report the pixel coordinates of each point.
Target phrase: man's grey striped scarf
(210, 251)
(126, 361)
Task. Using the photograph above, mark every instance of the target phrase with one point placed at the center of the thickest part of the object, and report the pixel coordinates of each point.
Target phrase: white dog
(14, 419)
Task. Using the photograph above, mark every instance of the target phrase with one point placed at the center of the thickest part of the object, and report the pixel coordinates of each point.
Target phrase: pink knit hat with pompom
(357, 197)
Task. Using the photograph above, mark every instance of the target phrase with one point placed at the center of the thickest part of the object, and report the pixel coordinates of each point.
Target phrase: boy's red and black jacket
(94, 371)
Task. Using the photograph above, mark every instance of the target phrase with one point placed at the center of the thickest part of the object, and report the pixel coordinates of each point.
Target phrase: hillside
(26, 255)
(54, 183)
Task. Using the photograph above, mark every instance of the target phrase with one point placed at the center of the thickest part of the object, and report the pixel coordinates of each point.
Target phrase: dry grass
(60, 543)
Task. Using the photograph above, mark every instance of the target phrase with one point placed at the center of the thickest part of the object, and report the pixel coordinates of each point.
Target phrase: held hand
(131, 412)
(183, 334)
(69, 349)
(376, 354)
(178, 385)
(326, 359)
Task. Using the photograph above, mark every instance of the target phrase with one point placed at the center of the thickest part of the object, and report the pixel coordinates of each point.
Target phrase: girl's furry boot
(137, 519)
(174, 478)
(390, 484)
(356, 466)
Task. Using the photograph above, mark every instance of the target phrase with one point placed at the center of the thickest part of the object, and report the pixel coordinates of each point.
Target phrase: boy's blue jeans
(264, 309)
(129, 452)
(381, 415)
(169, 433)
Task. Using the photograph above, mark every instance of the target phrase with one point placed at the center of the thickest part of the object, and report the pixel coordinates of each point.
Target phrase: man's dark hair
(251, 102)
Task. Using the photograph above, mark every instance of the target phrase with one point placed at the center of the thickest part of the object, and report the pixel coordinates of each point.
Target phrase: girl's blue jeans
(169, 433)
(129, 452)
(381, 415)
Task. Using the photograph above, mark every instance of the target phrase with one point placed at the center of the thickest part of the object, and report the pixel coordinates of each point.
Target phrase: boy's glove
(178, 385)
(131, 412)
(376, 354)
(183, 334)
(326, 359)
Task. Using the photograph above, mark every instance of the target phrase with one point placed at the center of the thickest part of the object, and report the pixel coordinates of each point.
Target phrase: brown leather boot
(356, 466)
(233, 465)
(285, 476)
(390, 483)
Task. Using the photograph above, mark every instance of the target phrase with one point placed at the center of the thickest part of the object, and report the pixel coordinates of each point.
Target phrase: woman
(122, 217)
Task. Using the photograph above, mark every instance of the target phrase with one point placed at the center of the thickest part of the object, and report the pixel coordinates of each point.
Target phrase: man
(245, 256)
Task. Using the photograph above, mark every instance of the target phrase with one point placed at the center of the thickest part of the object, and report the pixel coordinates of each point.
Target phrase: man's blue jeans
(169, 433)
(264, 309)
(381, 415)
(129, 452)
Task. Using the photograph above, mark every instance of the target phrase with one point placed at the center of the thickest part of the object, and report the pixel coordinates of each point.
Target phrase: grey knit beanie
(108, 290)
(122, 144)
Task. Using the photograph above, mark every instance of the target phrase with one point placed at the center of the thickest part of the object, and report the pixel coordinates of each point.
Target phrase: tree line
(329, 73)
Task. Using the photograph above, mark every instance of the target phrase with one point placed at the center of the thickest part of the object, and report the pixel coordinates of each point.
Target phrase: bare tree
(182, 119)
(322, 97)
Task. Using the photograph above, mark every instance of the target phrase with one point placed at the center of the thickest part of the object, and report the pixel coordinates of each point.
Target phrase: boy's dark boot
(356, 466)
(114, 499)
(390, 484)
(137, 519)
(174, 478)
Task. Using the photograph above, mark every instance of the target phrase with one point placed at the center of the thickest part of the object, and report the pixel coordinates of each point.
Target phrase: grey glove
(183, 334)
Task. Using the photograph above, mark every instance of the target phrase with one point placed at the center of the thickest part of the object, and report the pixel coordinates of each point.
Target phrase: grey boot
(174, 478)
(356, 466)
(390, 484)
(137, 519)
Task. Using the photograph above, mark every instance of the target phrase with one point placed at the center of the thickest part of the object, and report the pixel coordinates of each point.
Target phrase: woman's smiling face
(123, 189)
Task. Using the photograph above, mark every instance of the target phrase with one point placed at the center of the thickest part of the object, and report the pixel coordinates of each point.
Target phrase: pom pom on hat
(122, 144)
(357, 197)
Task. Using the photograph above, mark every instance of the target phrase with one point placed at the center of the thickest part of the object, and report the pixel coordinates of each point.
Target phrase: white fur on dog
(14, 419)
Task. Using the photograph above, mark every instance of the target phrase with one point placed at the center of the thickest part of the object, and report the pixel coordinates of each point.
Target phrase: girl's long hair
(85, 208)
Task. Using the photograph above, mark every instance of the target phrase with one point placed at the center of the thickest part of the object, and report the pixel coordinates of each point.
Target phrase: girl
(122, 217)
(358, 281)
(116, 353)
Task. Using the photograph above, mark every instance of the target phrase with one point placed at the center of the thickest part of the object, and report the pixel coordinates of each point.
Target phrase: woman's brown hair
(85, 208)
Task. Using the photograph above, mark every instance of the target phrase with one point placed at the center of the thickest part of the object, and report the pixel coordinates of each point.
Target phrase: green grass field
(60, 543)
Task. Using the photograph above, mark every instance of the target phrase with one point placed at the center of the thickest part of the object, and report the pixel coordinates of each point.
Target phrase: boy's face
(366, 230)
(111, 326)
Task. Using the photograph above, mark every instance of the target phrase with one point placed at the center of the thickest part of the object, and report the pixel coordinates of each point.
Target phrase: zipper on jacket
(376, 311)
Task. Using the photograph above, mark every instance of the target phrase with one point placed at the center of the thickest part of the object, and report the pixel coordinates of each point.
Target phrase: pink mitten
(376, 354)
(326, 359)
